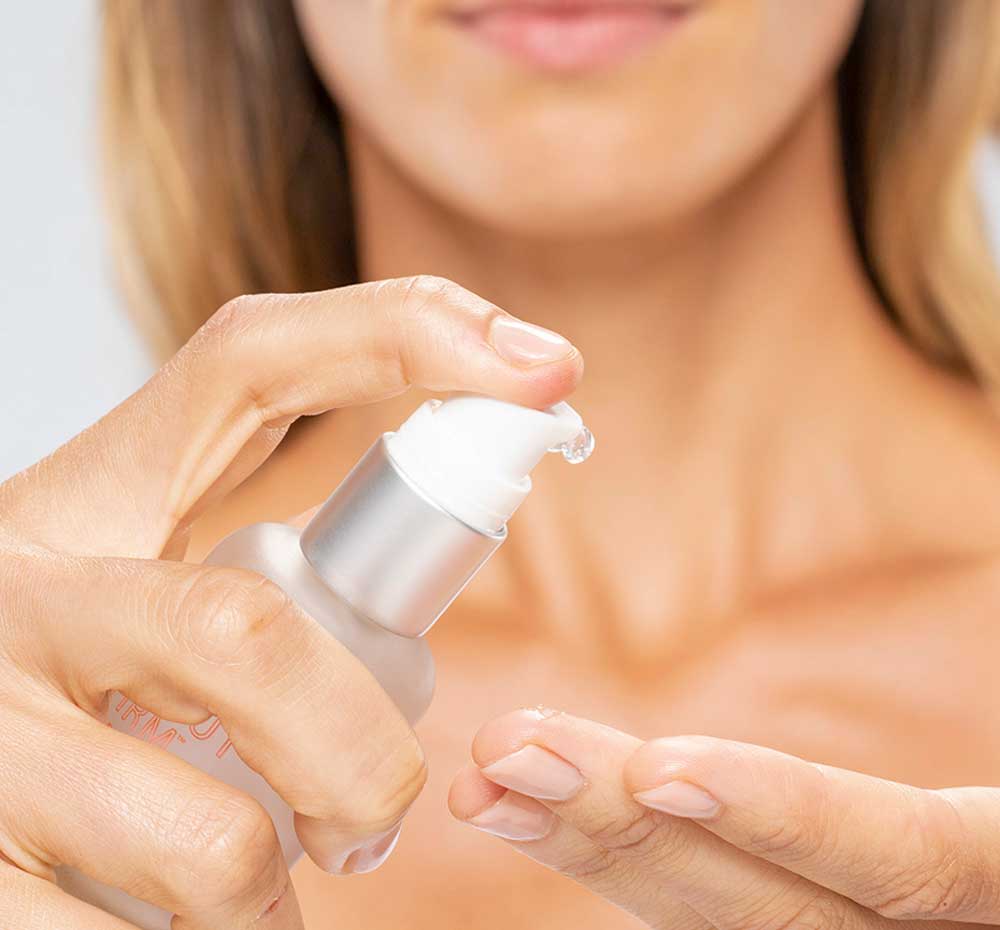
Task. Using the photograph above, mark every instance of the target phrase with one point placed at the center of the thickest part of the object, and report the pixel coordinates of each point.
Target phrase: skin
(787, 537)
(777, 571)
(91, 606)
(705, 833)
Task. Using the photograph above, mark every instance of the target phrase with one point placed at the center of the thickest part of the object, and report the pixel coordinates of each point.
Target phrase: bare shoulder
(939, 482)
(893, 672)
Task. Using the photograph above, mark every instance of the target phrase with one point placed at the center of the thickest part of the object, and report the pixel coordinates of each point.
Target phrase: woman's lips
(570, 35)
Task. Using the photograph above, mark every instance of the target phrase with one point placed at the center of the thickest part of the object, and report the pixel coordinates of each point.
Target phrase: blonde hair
(224, 166)
(227, 171)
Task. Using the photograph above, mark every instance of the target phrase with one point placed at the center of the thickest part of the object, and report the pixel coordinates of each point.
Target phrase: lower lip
(571, 38)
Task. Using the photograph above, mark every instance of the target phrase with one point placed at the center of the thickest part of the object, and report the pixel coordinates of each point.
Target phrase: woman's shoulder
(937, 496)
(894, 659)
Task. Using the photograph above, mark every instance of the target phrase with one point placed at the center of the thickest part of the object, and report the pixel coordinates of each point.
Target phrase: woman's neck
(739, 376)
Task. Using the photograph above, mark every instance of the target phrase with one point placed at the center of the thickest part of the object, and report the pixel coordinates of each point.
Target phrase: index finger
(903, 852)
(261, 361)
(181, 645)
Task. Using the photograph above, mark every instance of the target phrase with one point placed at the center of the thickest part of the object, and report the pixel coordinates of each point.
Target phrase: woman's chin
(579, 203)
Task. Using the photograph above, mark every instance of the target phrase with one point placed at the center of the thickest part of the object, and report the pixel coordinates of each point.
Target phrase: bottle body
(392, 547)
(402, 665)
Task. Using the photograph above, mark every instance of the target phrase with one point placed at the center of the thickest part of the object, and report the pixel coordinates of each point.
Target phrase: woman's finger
(532, 828)
(28, 902)
(138, 819)
(185, 642)
(658, 867)
(125, 485)
(901, 851)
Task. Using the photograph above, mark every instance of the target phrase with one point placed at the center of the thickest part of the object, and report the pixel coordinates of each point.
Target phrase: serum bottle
(382, 559)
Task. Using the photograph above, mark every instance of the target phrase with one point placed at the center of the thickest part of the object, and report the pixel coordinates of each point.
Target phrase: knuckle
(926, 891)
(936, 881)
(220, 336)
(647, 838)
(224, 614)
(424, 316)
(423, 291)
(390, 798)
(606, 873)
(231, 846)
(593, 865)
(818, 911)
(791, 840)
(234, 331)
(630, 833)
(631, 845)
(425, 297)
(230, 351)
(236, 317)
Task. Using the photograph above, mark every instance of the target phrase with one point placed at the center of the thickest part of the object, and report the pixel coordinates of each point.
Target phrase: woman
(756, 220)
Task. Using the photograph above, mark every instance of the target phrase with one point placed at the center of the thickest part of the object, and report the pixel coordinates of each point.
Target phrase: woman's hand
(690, 833)
(89, 606)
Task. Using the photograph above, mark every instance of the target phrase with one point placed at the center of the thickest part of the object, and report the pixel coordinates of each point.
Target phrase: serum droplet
(578, 449)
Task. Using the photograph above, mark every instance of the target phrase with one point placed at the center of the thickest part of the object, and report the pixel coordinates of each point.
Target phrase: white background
(67, 352)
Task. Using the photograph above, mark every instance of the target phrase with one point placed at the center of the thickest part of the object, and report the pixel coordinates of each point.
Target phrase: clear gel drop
(578, 449)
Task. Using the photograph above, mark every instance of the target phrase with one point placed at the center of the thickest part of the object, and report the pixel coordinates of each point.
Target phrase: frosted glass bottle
(377, 565)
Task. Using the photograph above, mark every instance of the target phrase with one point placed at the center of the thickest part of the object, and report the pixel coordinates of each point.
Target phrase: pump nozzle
(426, 506)
(473, 455)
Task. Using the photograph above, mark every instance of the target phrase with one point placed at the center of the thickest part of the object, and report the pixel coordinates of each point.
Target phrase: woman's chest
(874, 701)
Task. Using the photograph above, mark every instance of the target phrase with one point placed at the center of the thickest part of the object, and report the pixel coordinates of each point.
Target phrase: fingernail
(525, 345)
(515, 818)
(536, 772)
(371, 854)
(680, 798)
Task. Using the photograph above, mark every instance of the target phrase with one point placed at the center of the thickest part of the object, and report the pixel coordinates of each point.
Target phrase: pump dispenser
(432, 500)
(378, 564)
(473, 455)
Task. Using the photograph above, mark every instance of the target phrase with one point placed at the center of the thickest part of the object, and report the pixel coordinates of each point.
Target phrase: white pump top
(472, 455)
